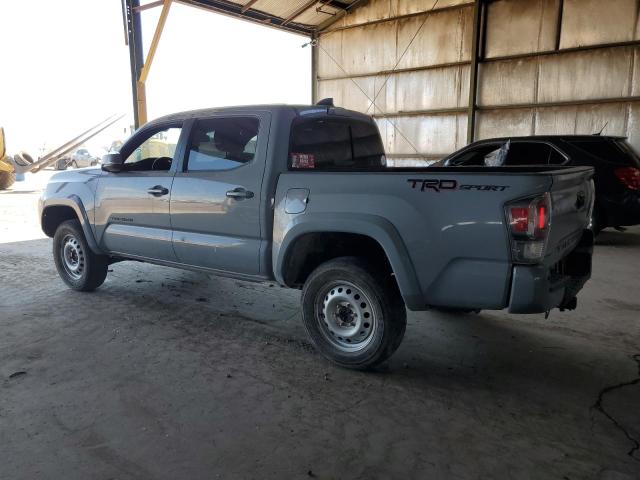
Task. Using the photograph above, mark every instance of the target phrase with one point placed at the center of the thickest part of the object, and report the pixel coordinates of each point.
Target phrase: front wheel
(77, 265)
(353, 313)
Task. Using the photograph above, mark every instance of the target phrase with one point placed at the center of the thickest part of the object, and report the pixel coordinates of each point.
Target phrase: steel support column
(314, 69)
(476, 41)
(136, 59)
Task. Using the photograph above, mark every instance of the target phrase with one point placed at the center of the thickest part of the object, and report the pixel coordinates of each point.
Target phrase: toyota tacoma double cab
(302, 195)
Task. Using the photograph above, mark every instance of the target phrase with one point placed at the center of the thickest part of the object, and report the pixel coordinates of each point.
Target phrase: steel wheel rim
(346, 317)
(73, 258)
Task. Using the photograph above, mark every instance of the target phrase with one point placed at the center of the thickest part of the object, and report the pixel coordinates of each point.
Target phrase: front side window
(475, 156)
(222, 143)
(335, 144)
(156, 152)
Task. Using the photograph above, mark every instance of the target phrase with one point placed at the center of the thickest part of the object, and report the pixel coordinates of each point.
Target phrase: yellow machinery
(7, 174)
(22, 162)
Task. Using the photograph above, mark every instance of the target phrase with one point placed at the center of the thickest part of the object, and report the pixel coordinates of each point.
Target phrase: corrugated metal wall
(543, 67)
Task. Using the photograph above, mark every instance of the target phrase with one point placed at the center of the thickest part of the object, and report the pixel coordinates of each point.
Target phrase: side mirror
(112, 162)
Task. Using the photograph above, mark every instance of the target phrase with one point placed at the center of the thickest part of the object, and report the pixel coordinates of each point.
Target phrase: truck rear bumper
(540, 288)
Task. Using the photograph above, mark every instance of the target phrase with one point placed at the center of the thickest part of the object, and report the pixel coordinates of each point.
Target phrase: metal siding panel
(592, 22)
(430, 134)
(371, 48)
(445, 38)
(556, 120)
(372, 11)
(591, 119)
(585, 75)
(508, 82)
(635, 74)
(521, 26)
(504, 123)
(633, 128)
(429, 89)
(581, 119)
(332, 43)
(347, 94)
(376, 10)
(333, 89)
(407, 7)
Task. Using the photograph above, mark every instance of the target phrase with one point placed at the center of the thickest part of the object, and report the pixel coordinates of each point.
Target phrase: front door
(132, 206)
(216, 195)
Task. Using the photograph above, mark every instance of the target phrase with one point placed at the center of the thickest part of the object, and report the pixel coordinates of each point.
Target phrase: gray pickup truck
(302, 195)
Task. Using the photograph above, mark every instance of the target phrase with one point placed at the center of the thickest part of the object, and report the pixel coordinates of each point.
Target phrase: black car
(616, 163)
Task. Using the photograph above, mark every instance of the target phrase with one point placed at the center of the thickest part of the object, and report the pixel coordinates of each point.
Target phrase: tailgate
(572, 196)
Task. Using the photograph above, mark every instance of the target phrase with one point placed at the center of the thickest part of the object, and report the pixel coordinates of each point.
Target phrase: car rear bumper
(540, 288)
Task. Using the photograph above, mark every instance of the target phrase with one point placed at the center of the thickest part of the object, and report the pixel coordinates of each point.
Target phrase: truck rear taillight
(629, 176)
(529, 223)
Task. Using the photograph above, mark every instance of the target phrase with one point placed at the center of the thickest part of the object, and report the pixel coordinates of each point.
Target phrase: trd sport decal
(439, 185)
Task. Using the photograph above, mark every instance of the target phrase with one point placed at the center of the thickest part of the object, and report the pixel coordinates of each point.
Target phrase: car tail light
(529, 224)
(629, 176)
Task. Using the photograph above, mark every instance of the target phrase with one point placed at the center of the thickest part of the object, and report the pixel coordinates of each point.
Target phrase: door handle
(158, 191)
(239, 193)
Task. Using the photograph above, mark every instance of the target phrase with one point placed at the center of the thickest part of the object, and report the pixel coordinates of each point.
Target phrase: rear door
(132, 206)
(216, 195)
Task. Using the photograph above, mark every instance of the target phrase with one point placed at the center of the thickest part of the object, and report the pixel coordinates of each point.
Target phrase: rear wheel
(353, 313)
(77, 265)
(595, 224)
(6, 179)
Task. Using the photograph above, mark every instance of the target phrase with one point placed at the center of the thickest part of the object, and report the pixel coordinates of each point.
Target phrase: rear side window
(335, 144)
(533, 153)
(222, 143)
(615, 151)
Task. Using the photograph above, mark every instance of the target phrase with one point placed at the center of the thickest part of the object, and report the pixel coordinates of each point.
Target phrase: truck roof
(296, 109)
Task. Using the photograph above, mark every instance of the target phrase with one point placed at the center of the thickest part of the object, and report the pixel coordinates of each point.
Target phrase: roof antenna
(602, 129)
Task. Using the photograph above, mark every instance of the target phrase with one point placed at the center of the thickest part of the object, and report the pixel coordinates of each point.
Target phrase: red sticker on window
(303, 160)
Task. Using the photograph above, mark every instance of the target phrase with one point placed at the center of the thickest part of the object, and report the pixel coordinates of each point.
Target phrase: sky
(65, 67)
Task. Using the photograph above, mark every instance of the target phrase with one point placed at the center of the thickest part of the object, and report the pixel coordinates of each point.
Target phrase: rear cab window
(335, 144)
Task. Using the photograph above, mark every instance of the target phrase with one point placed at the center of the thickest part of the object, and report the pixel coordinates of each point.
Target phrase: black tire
(74, 164)
(61, 164)
(76, 264)
(368, 313)
(596, 223)
(7, 179)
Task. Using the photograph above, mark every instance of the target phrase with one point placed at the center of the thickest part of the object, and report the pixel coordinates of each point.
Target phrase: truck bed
(443, 228)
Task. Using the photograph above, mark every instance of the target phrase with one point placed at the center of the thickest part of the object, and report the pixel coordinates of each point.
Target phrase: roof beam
(340, 14)
(248, 5)
(235, 10)
(299, 11)
(149, 5)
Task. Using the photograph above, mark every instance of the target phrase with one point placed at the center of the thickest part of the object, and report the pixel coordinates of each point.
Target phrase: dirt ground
(166, 374)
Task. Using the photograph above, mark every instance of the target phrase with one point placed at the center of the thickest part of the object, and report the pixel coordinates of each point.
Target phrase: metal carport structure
(437, 74)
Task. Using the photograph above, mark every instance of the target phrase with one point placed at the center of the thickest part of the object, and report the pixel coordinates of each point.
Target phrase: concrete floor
(165, 374)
